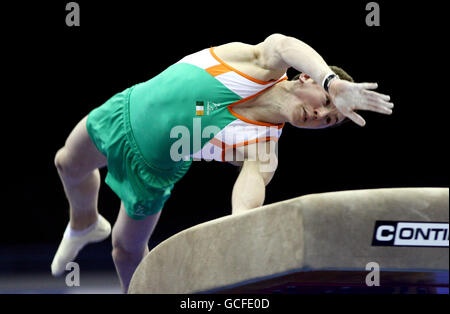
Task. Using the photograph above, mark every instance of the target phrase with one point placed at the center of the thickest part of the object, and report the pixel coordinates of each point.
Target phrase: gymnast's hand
(349, 97)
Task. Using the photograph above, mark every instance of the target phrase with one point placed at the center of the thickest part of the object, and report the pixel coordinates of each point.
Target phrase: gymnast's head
(311, 105)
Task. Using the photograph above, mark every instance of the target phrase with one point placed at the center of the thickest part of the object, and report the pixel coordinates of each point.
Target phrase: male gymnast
(236, 96)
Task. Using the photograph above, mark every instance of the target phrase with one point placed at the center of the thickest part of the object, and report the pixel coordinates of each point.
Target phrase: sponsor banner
(410, 233)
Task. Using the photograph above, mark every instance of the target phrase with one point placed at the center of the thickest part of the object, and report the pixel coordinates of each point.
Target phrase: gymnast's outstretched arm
(282, 52)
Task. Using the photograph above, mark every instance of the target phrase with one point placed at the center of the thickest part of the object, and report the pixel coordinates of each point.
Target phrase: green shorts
(143, 188)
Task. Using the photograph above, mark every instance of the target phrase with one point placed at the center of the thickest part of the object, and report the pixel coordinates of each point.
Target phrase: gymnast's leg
(77, 164)
(130, 243)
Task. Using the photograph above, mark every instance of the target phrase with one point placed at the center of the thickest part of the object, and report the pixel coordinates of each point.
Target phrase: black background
(56, 74)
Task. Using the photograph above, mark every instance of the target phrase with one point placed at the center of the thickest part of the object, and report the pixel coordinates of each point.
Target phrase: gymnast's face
(313, 107)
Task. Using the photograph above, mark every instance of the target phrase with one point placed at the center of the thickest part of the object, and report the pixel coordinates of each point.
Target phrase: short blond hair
(341, 73)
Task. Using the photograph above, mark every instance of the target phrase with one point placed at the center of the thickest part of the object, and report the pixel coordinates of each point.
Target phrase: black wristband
(327, 81)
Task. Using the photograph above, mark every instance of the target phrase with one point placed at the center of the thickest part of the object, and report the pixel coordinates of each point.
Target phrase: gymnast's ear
(300, 76)
(303, 77)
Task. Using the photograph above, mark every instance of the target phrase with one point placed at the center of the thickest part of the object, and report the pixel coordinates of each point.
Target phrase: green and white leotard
(196, 92)
(152, 132)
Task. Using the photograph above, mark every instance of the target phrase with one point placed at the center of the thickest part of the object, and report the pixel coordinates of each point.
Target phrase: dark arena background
(56, 74)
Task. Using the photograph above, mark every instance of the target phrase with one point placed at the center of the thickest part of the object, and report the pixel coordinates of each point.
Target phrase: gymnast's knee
(63, 164)
(67, 167)
(123, 252)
